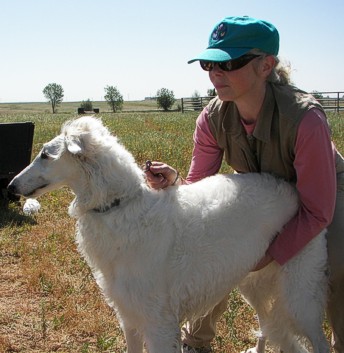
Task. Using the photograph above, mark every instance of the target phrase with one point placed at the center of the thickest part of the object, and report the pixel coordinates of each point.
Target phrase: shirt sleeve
(207, 155)
(316, 185)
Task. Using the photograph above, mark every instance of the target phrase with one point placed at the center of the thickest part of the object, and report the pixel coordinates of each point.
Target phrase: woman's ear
(267, 64)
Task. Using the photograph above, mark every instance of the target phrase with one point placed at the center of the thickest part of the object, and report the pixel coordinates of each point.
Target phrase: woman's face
(238, 84)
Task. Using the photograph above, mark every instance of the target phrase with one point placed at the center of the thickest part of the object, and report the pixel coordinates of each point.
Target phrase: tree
(211, 92)
(113, 98)
(165, 98)
(54, 94)
(317, 95)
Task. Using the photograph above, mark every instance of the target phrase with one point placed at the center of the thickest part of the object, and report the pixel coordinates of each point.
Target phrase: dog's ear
(74, 145)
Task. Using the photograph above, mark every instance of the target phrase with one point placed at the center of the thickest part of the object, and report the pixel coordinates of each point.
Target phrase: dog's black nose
(12, 189)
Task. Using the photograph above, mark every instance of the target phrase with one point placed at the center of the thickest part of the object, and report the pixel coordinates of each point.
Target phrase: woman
(260, 123)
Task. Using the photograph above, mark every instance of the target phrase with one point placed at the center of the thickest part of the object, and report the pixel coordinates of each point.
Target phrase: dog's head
(85, 136)
(59, 162)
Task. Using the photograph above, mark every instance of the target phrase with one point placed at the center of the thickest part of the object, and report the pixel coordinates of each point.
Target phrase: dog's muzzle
(12, 189)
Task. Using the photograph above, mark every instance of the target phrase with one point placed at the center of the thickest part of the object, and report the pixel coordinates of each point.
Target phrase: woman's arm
(316, 184)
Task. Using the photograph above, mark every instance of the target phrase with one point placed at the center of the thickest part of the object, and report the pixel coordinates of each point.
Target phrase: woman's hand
(266, 260)
(160, 175)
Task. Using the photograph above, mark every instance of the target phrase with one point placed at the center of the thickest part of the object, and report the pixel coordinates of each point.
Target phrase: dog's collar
(114, 203)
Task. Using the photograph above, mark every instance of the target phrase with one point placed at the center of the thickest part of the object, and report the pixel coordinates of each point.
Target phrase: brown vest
(271, 147)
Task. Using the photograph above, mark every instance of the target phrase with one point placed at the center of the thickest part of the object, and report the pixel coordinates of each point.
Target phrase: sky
(141, 46)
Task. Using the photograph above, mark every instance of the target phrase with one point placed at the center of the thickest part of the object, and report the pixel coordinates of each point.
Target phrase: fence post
(182, 105)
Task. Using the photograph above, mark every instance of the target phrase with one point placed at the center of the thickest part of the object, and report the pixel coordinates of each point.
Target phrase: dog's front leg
(260, 347)
(134, 341)
(163, 338)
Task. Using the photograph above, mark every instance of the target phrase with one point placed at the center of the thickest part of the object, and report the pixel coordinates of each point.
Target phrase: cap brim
(219, 55)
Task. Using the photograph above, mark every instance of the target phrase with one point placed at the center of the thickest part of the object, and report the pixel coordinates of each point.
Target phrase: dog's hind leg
(305, 289)
(259, 348)
(295, 315)
(281, 330)
(256, 290)
(309, 325)
(302, 301)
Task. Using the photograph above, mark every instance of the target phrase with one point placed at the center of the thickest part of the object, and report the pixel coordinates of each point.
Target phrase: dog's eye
(44, 155)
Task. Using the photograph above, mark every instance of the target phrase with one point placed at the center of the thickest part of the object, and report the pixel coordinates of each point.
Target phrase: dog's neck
(102, 209)
(106, 181)
(77, 208)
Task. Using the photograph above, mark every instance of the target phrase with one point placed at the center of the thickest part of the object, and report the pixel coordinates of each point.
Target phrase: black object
(15, 152)
(83, 111)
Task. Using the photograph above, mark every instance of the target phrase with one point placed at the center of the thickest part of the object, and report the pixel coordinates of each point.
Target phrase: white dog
(160, 257)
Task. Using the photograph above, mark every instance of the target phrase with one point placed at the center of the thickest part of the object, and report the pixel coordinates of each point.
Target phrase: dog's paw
(254, 350)
(251, 350)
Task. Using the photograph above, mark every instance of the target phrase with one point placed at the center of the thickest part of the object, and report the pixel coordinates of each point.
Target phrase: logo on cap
(219, 32)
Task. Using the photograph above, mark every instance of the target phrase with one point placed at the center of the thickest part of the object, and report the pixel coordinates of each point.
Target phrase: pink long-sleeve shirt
(316, 178)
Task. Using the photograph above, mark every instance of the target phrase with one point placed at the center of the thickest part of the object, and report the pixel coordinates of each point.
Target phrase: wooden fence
(329, 100)
(194, 103)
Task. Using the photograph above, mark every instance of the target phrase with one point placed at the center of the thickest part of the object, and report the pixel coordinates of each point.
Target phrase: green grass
(49, 299)
(336, 122)
(153, 135)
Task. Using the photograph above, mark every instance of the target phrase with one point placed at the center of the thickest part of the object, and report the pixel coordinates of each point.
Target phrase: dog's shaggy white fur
(160, 257)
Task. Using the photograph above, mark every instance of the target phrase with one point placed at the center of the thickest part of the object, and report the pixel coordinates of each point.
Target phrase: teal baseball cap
(236, 36)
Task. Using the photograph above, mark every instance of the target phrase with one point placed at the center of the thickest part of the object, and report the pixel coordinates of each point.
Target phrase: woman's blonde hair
(280, 74)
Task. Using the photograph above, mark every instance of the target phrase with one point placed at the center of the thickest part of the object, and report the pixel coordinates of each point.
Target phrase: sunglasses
(230, 65)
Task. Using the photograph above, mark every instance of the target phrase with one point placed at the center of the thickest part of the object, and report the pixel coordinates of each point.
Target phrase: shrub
(165, 98)
(86, 105)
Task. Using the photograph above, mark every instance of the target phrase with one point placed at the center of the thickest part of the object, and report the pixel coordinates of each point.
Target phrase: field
(49, 301)
(71, 107)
